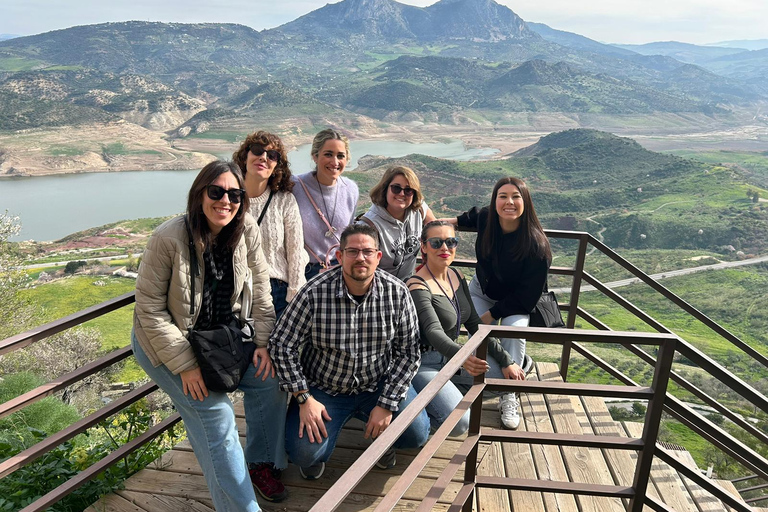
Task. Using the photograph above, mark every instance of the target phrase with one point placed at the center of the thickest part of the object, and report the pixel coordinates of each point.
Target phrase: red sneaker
(264, 481)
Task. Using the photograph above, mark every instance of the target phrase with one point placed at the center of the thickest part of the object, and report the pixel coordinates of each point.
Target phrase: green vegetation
(15, 64)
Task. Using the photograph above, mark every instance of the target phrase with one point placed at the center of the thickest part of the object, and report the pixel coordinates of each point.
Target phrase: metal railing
(570, 339)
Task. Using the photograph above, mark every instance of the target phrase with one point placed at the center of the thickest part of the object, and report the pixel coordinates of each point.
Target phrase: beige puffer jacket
(161, 317)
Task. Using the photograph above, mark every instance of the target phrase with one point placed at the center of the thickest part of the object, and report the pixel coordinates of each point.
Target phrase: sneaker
(264, 481)
(527, 365)
(312, 472)
(508, 406)
(388, 460)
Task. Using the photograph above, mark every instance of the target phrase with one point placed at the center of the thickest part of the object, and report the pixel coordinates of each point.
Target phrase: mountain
(684, 52)
(746, 44)
(370, 20)
(576, 41)
(3, 37)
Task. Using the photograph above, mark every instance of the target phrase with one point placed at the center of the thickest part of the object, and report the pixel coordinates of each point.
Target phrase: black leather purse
(224, 352)
(547, 312)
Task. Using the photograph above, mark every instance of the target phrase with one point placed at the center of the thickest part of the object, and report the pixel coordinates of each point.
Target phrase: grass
(66, 296)
(14, 64)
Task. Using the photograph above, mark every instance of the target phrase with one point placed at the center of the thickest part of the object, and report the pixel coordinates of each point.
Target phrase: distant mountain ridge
(371, 57)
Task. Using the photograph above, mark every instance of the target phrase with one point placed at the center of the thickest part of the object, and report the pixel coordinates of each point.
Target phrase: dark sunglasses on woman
(258, 150)
(437, 242)
(215, 193)
(396, 189)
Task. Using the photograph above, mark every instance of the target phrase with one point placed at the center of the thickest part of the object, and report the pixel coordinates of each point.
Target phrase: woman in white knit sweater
(264, 162)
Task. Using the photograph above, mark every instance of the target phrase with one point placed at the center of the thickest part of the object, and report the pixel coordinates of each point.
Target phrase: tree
(17, 314)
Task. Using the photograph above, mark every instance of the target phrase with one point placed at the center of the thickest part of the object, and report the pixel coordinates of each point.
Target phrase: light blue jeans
(212, 431)
(514, 346)
(446, 399)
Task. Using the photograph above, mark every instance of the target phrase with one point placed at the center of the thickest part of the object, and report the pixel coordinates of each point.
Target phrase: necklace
(331, 229)
(453, 300)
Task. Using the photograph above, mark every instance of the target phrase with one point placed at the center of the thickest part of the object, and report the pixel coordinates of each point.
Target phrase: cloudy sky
(625, 21)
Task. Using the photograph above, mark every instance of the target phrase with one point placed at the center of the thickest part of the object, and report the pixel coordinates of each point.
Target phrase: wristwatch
(302, 398)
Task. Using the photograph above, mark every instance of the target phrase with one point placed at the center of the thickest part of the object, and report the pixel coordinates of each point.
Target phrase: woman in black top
(513, 258)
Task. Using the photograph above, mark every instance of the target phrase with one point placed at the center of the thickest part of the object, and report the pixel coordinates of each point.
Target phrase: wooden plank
(492, 500)
(584, 465)
(667, 481)
(621, 464)
(518, 463)
(114, 503)
(704, 501)
(547, 459)
(155, 503)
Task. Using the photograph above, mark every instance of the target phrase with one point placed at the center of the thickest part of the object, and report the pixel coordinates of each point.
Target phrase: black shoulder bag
(224, 352)
(547, 312)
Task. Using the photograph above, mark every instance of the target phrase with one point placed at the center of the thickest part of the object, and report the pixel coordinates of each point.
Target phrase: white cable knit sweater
(282, 239)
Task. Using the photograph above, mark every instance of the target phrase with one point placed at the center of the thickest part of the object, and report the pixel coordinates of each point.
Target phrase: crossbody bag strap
(264, 210)
(192, 263)
(317, 209)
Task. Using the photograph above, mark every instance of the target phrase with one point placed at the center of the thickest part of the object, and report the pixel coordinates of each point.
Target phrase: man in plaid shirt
(347, 346)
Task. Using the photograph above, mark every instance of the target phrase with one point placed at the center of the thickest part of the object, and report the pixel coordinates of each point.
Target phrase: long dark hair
(280, 181)
(531, 238)
(198, 224)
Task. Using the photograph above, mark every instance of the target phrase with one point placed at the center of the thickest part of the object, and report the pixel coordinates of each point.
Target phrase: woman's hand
(192, 380)
(513, 372)
(487, 318)
(475, 366)
(263, 363)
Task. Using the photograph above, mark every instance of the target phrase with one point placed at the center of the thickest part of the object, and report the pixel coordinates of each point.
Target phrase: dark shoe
(388, 460)
(312, 472)
(527, 365)
(264, 481)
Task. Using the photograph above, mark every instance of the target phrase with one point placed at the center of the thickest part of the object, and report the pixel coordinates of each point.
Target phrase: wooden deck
(175, 483)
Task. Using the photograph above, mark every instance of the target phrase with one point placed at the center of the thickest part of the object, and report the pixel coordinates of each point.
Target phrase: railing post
(573, 305)
(652, 422)
(475, 414)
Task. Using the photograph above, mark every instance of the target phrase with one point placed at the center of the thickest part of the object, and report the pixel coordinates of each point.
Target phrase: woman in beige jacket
(228, 246)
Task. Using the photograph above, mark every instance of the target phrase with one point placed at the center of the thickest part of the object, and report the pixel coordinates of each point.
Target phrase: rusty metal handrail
(478, 344)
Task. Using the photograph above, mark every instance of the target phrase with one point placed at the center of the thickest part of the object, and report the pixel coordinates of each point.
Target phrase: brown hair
(379, 191)
(531, 241)
(198, 224)
(425, 230)
(280, 181)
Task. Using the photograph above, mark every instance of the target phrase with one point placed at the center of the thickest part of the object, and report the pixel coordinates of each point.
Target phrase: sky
(611, 21)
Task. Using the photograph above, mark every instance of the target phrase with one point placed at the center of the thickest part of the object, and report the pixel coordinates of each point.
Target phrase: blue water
(51, 207)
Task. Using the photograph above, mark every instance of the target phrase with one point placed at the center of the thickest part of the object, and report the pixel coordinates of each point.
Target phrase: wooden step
(584, 465)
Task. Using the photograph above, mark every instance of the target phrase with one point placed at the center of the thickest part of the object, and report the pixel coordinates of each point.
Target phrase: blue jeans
(279, 296)
(212, 431)
(341, 409)
(446, 399)
(514, 346)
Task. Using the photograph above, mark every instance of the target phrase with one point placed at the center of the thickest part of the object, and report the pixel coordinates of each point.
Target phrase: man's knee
(417, 434)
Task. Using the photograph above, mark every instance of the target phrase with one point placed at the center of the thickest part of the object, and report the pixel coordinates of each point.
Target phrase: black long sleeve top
(515, 284)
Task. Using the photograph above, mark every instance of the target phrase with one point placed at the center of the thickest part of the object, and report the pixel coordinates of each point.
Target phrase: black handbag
(224, 352)
(547, 312)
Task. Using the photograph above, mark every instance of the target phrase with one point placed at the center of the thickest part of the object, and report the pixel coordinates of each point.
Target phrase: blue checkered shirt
(328, 340)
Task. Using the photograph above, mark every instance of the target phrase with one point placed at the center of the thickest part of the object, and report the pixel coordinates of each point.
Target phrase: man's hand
(475, 366)
(192, 380)
(311, 416)
(263, 363)
(514, 372)
(378, 421)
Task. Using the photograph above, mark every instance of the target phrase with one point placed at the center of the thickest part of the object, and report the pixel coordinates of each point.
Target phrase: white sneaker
(508, 407)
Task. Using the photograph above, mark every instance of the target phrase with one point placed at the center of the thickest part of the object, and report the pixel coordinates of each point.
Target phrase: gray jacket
(399, 241)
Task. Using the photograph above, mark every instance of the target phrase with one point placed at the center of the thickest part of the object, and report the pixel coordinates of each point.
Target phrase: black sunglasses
(396, 189)
(215, 193)
(258, 150)
(437, 242)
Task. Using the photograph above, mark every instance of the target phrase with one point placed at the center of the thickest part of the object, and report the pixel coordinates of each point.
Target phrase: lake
(51, 207)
